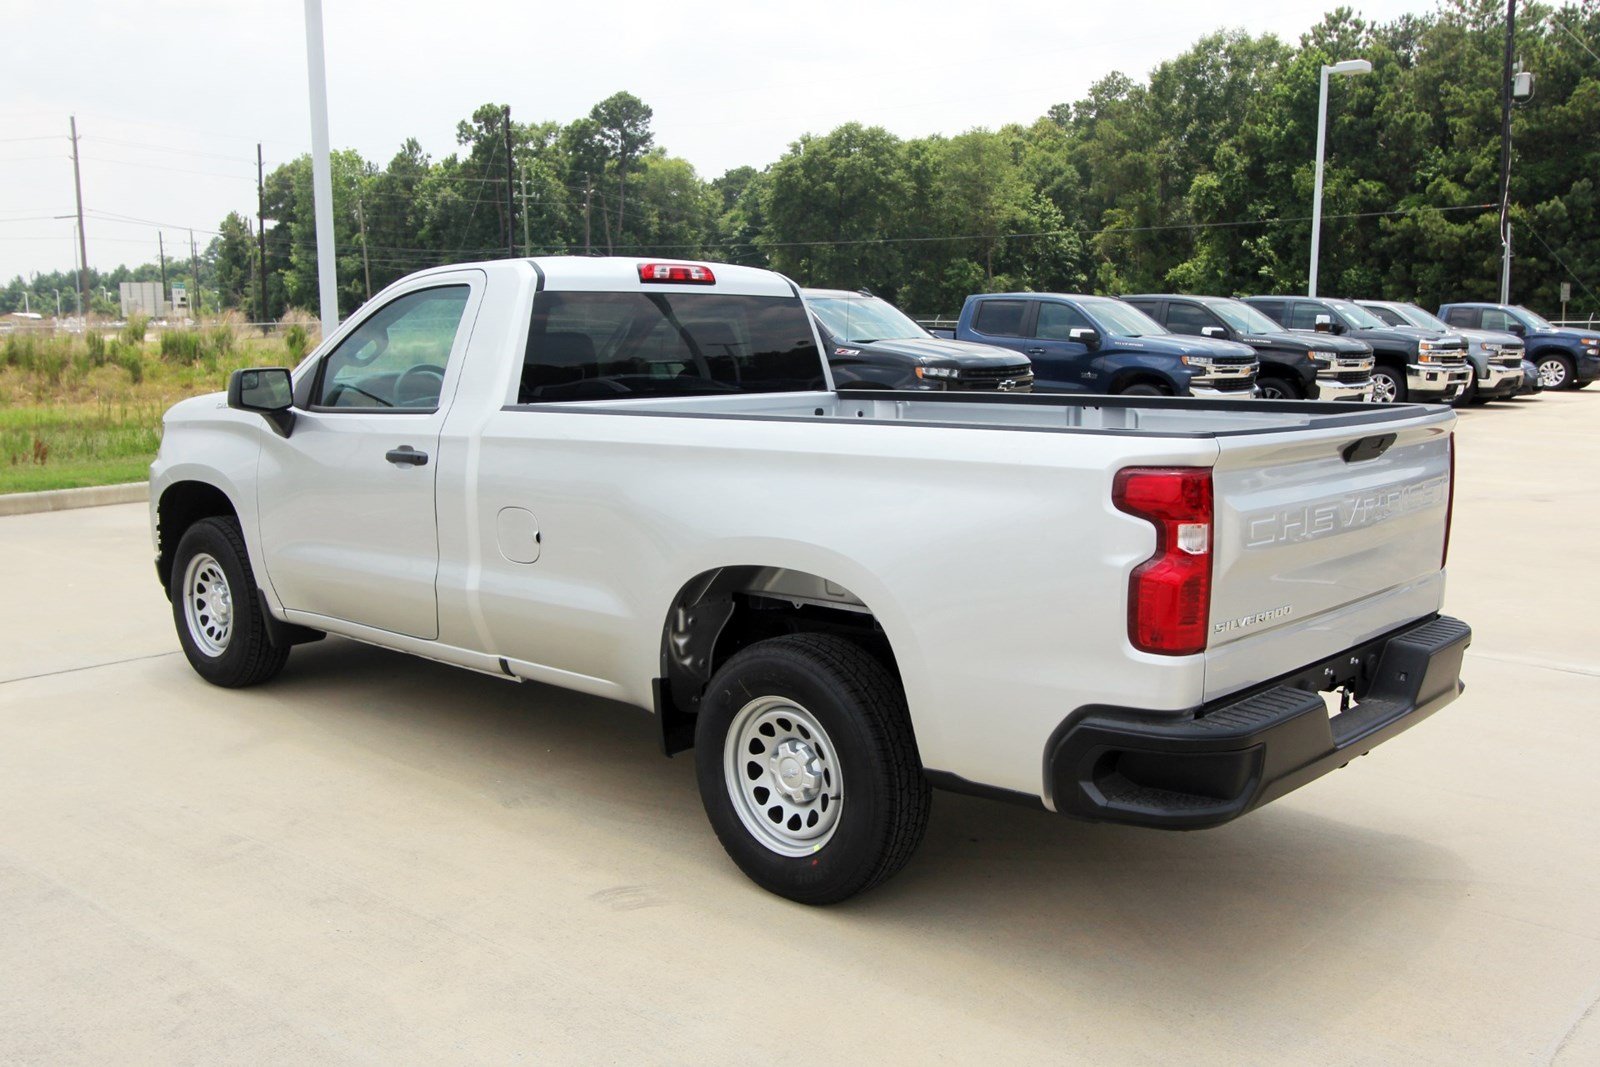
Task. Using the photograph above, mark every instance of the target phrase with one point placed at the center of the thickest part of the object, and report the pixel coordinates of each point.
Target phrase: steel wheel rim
(783, 776)
(1384, 389)
(1552, 372)
(208, 604)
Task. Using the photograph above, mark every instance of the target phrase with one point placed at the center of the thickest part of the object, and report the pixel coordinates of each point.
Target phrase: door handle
(1035, 351)
(406, 456)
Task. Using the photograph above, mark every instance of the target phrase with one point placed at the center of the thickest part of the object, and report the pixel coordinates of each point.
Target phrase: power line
(1558, 259)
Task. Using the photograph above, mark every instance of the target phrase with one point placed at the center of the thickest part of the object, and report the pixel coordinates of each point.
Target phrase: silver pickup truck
(635, 480)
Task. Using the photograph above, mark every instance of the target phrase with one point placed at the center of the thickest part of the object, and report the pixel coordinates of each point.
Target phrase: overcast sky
(172, 95)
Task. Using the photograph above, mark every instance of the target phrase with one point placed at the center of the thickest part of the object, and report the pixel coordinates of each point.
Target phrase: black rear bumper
(1207, 766)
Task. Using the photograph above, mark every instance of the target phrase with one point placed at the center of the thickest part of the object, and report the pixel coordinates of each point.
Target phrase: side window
(1189, 318)
(1272, 309)
(1467, 317)
(1494, 319)
(1000, 318)
(1057, 321)
(395, 360)
(1303, 315)
(1388, 316)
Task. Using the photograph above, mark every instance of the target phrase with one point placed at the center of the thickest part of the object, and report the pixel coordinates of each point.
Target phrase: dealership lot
(375, 858)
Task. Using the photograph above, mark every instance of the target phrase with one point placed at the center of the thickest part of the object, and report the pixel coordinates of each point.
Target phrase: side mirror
(1324, 324)
(1213, 331)
(1519, 329)
(1085, 336)
(268, 391)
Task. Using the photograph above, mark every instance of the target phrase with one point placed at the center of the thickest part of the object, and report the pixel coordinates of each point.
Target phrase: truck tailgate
(1324, 539)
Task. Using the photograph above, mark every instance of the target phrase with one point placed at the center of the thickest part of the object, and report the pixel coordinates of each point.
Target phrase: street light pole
(321, 169)
(1505, 154)
(1349, 66)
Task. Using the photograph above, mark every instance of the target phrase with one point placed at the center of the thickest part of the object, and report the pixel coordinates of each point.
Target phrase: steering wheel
(424, 382)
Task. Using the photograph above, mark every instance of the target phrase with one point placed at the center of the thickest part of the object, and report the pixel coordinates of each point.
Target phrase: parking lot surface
(376, 859)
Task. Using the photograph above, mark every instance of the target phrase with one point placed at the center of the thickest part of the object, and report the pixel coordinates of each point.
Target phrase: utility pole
(321, 169)
(83, 247)
(511, 205)
(261, 240)
(1505, 155)
(161, 247)
(588, 187)
(366, 266)
(524, 211)
(194, 268)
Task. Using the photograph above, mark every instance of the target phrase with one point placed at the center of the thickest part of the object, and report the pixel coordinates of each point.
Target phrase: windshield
(1530, 320)
(1355, 316)
(1242, 317)
(1415, 316)
(862, 319)
(1123, 320)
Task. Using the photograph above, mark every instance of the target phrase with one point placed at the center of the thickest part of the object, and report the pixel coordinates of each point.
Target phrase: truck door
(347, 499)
(1061, 364)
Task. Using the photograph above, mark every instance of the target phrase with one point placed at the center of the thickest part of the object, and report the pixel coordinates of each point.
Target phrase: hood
(1302, 342)
(1181, 344)
(1404, 335)
(1488, 337)
(1567, 333)
(937, 349)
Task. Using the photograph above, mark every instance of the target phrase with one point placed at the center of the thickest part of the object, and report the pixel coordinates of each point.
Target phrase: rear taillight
(1169, 594)
(677, 273)
(1449, 499)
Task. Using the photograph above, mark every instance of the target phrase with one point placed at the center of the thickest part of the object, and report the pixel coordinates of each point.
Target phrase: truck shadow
(1218, 917)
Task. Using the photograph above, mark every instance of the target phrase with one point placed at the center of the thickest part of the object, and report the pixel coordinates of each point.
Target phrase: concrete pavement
(376, 859)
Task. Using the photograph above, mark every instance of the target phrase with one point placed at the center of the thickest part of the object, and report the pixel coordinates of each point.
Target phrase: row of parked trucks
(1168, 344)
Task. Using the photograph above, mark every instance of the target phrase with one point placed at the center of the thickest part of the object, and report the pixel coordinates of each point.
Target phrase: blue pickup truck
(1098, 344)
(1567, 359)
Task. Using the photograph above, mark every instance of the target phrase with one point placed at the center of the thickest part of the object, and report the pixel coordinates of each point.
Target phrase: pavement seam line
(1529, 661)
(87, 667)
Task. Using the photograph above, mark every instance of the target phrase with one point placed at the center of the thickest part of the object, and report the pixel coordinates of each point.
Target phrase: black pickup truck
(1293, 366)
(871, 344)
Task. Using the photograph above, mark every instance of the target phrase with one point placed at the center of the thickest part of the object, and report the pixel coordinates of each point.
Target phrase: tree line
(1198, 178)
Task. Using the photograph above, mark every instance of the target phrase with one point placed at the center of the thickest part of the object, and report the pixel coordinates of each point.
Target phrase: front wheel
(808, 768)
(1388, 386)
(1275, 388)
(217, 607)
(1146, 389)
(1555, 372)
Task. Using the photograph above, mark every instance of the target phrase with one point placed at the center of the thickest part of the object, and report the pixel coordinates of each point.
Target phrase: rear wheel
(808, 768)
(1276, 388)
(1388, 386)
(1555, 372)
(217, 607)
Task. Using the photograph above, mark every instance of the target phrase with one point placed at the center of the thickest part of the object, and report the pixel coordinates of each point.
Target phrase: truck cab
(1496, 356)
(1567, 359)
(1293, 366)
(1098, 344)
(1407, 366)
(871, 344)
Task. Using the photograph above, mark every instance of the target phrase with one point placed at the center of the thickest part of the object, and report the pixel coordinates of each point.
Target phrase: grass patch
(78, 410)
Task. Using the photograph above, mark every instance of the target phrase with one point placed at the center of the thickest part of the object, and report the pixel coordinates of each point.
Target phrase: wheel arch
(724, 609)
(181, 505)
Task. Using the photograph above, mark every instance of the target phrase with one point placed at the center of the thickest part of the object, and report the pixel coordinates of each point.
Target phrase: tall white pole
(321, 170)
(1316, 196)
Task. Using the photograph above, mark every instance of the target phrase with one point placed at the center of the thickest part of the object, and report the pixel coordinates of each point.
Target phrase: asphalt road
(376, 859)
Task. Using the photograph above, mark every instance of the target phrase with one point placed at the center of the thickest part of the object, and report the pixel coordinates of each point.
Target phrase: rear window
(1000, 318)
(605, 346)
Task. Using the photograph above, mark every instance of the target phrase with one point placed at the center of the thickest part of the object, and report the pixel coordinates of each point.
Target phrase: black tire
(881, 799)
(1555, 372)
(245, 655)
(1276, 387)
(1469, 396)
(1146, 389)
(1395, 392)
